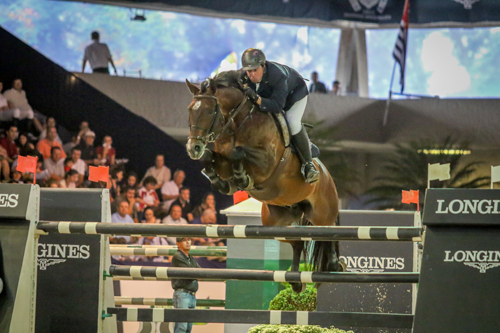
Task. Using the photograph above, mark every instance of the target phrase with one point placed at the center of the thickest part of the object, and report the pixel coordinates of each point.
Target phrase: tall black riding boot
(301, 142)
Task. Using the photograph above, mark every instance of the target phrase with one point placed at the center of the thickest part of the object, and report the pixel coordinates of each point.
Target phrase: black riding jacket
(280, 87)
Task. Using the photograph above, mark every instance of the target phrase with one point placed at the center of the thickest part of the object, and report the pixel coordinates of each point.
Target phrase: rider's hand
(252, 95)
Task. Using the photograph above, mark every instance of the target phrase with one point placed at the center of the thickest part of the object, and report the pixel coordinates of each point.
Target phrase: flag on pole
(27, 164)
(495, 174)
(399, 52)
(411, 197)
(439, 171)
(239, 196)
(98, 174)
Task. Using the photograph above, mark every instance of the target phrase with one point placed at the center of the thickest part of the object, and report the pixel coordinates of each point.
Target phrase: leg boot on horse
(301, 142)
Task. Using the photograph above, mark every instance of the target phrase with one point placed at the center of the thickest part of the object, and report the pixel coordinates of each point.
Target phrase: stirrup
(309, 172)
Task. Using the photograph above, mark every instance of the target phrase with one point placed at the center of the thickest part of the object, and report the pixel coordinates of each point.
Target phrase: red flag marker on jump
(239, 196)
(98, 174)
(27, 164)
(411, 197)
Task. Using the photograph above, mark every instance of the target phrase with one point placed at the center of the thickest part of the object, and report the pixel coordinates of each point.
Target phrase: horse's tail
(323, 253)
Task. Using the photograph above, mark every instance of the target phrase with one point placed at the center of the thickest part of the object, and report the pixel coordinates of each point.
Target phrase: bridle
(217, 116)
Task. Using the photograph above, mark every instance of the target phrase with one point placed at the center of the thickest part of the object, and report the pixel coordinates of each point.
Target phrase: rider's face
(255, 75)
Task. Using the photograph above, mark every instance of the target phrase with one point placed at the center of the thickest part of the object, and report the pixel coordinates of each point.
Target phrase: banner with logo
(68, 265)
(369, 11)
(376, 257)
(14, 200)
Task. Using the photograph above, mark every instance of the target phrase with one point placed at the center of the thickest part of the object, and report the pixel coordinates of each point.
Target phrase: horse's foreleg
(218, 184)
(298, 248)
(240, 176)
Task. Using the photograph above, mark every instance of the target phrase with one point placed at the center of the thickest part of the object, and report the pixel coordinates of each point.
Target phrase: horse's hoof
(298, 287)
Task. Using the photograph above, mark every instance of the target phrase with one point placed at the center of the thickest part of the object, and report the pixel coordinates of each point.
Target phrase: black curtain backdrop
(55, 92)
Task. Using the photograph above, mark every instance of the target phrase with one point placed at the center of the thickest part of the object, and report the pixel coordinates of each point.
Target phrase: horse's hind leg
(298, 248)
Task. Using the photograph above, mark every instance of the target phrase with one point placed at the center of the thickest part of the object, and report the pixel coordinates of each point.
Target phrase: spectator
(78, 164)
(121, 216)
(147, 194)
(70, 179)
(4, 164)
(17, 99)
(89, 154)
(159, 171)
(316, 86)
(98, 55)
(70, 145)
(207, 217)
(129, 195)
(51, 122)
(23, 144)
(45, 146)
(7, 110)
(105, 153)
(55, 164)
(150, 217)
(131, 181)
(42, 174)
(170, 190)
(174, 218)
(16, 177)
(183, 201)
(116, 179)
(336, 88)
(207, 202)
(184, 289)
(9, 144)
(50, 183)
(68, 164)
(84, 127)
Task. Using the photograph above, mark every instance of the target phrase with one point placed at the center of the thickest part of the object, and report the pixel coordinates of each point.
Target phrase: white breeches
(294, 115)
(8, 115)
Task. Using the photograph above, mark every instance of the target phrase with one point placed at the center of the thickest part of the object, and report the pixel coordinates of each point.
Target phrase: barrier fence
(122, 300)
(306, 233)
(166, 250)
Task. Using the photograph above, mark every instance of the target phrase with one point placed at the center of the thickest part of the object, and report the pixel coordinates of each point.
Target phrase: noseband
(217, 116)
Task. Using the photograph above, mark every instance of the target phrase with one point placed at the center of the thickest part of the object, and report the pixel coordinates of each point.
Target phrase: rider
(276, 87)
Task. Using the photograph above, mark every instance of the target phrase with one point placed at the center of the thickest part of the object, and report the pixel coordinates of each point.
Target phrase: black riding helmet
(252, 59)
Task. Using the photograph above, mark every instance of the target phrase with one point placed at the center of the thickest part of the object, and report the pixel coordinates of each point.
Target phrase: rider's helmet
(252, 59)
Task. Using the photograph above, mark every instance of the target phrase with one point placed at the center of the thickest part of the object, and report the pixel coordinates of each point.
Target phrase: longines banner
(370, 11)
(14, 200)
(467, 207)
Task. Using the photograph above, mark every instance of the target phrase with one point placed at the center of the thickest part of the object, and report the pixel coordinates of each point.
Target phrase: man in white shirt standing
(18, 107)
(98, 55)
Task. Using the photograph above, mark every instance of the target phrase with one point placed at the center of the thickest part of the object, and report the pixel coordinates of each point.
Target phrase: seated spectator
(170, 190)
(68, 164)
(68, 146)
(78, 164)
(89, 154)
(183, 201)
(121, 216)
(174, 218)
(44, 146)
(70, 179)
(55, 164)
(42, 174)
(150, 216)
(207, 202)
(129, 195)
(23, 144)
(147, 194)
(116, 179)
(17, 99)
(16, 177)
(106, 153)
(159, 171)
(50, 122)
(131, 181)
(207, 217)
(84, 127)
(51, 183)
(9, 144)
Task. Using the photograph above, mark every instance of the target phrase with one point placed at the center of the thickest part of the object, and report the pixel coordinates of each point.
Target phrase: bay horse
(249, 153)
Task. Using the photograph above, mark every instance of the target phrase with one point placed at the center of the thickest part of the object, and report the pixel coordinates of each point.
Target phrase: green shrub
(294, 329)
(287, 300)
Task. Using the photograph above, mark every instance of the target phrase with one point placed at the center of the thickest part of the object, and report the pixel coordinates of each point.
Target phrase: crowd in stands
(64, 160)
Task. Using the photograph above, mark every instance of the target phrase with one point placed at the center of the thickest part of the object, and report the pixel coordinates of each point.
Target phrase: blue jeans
(183, 300)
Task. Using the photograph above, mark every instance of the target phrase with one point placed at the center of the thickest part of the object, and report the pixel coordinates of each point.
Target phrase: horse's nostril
(197, 148)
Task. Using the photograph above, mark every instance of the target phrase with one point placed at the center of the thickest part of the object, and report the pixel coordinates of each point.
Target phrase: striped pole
(121, 300)
(240, 231)
(154, 250)
(326, 319)
(261, 275)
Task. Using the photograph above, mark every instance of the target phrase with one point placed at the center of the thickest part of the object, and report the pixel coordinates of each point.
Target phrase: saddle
(284, 129)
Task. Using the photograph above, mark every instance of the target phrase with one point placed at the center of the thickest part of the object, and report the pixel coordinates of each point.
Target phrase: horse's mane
(223, 79)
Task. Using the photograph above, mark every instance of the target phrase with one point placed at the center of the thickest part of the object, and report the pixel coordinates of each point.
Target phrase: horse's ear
(192, 88)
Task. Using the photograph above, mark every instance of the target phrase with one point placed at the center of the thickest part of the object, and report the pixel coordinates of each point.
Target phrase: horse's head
(205, 118)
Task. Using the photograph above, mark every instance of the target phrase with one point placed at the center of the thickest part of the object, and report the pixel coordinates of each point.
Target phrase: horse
(249, 153)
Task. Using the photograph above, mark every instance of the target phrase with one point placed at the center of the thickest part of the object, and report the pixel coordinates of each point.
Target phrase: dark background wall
(55, 92)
